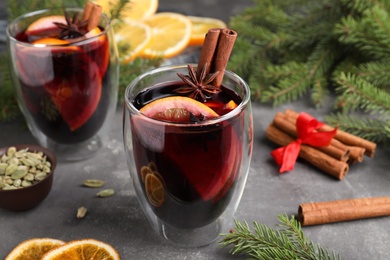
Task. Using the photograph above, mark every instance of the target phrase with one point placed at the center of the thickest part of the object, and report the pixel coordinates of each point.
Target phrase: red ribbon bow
(306, 129)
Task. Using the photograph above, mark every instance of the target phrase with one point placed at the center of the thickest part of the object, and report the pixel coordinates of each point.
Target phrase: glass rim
(240, 107)
(48, 10)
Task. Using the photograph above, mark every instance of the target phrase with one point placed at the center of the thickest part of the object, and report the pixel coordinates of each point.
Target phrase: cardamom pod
(105, 193)
(93, 183)
(81, 212)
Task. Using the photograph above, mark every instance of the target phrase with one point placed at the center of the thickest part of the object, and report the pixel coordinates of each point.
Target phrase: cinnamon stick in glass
(283, 123)
(87, 11)
(226, 41)
(317, 213)
(345, 138)
(215, 53)
(93, 19)
(328, 164)
(208, 50)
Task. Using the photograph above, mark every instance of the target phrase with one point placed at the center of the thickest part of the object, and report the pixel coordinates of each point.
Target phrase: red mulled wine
(188, 171)
(64, 84)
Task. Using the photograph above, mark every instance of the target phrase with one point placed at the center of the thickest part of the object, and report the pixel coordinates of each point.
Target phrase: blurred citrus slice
(50, 41)
(154, 189)
(200, 26)
(177, 109)
(87, 249)
(131, 38)
(33, 249)
(46, 23)
(134, 9)
(170, 35)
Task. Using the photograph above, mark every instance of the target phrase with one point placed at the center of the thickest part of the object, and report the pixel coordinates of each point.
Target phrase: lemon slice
(131, 38)
(200, 26)
(170, 35)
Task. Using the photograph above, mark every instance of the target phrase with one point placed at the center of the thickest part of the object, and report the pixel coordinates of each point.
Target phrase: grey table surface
(118, 220)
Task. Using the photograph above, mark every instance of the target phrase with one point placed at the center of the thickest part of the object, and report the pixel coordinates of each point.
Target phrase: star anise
(198, 85)
(73, 27)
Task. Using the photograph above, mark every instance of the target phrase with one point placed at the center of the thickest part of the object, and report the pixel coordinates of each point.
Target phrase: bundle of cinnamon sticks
(344, 149)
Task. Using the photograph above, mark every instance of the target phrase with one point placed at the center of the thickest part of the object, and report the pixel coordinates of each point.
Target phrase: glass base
(76, 152)
(195, 237)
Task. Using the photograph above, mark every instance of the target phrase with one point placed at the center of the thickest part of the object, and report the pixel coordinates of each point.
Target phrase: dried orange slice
(33, 249)
(134, 9)
(87, 249)
(131, 38)
(200, 26)
(154, 187)
(170, 35)
(177, 109)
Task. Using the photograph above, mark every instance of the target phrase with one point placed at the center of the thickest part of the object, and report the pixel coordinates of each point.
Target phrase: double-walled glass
(188, 177)
(66, 91)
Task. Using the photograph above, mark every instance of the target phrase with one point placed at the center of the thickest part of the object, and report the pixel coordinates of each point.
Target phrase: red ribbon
(307, 127)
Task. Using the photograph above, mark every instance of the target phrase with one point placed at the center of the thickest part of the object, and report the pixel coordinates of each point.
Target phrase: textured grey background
(119, 220)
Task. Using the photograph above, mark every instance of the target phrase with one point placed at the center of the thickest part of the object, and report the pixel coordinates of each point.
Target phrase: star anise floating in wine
(198, 85)
(73, 28)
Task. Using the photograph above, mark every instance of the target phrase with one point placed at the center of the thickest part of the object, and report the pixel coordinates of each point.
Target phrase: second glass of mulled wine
(65, 72)
(188, 159)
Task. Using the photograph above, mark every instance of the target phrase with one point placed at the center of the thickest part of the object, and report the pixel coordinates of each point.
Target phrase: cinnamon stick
(345, 138)
(208, 50)
(87, 11)
(282, 122)
(94, 17)
(215, 53)
(343, 210)
(315, 157)
(226, 41)
(356, 154)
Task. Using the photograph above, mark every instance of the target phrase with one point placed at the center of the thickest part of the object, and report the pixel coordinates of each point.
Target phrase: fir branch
(374, 129)
(355, 92)
(375, 72)
(285, 242)
(131, 70)
(327, 38)
(9, 108)
(369, 34)
(117, 9)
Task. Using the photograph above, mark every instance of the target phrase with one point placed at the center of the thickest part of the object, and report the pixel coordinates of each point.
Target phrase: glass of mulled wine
(66, 81)
(188, 160)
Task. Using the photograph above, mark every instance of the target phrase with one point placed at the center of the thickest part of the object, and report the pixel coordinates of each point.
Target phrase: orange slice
(170, 35)
(200, 26)
(87, 249)
(177, 109)
(134, 9)
(131, 38)
(46, 23)
(33, 249)
(154, 187)
(50, 41)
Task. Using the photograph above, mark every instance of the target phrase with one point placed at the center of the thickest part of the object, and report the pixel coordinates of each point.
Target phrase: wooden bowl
(28, 197)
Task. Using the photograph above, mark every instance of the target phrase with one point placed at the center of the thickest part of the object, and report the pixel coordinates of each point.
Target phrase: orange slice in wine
(45, 26)
(211, 165)
(177, 109)
(77, 92)
(154, 187)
